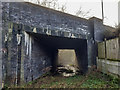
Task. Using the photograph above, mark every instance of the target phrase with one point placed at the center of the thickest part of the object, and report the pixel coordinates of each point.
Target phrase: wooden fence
(109, 49)
(108, 60)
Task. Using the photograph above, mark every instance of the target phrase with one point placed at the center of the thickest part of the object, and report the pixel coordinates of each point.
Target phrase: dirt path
(91, 80)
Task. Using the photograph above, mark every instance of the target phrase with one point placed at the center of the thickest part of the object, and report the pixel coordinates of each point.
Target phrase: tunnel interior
(52, 44)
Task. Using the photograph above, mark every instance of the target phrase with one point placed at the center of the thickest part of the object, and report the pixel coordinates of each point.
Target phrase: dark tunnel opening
(51, 44)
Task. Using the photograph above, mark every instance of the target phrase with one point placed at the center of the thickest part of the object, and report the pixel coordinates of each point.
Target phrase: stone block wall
(18, 18)
(67, 57)
(35, 57)
(0, 45)
(41, 17)
(24, 57)
(22, 53)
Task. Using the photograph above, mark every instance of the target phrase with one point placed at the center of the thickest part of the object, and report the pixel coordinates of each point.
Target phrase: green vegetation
(92, 80)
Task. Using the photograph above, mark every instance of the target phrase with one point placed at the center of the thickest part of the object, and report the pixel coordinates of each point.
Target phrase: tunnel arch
(51, 44)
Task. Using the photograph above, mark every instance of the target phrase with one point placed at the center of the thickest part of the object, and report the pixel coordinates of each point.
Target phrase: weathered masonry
(31, 36)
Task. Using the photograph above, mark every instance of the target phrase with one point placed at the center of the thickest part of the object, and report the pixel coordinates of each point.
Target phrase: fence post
(105, 49)
(105, 55)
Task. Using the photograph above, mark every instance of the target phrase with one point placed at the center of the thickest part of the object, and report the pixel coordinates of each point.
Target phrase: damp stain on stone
(28, 44)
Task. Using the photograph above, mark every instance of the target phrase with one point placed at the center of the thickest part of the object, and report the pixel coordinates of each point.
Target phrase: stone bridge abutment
(32, 36)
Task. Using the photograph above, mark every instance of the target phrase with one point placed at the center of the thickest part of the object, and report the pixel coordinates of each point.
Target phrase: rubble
(68, 70)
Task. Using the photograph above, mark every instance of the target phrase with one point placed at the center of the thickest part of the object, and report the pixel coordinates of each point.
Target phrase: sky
(94, 6)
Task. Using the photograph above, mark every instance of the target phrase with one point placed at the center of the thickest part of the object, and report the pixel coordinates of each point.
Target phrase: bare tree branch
(55, 5)
(82, 13)
(63, 8)
(52, 4)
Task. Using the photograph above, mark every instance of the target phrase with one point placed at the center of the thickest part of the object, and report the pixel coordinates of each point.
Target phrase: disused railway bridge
(32, 36)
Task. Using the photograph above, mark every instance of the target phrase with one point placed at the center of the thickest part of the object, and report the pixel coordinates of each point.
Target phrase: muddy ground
(94, 79)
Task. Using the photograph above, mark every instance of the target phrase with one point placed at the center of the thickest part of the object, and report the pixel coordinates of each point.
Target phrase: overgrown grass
(92, 80)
